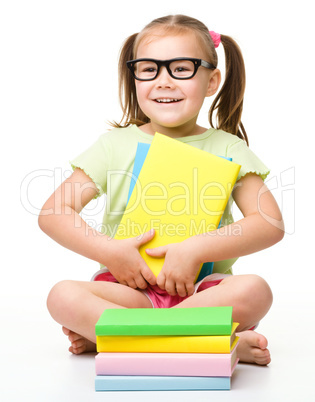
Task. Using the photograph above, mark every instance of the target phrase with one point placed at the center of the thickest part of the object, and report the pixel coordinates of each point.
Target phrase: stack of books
(165, 349)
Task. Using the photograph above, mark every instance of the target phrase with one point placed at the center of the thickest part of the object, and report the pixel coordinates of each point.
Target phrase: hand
(179, 270)
(126, 264)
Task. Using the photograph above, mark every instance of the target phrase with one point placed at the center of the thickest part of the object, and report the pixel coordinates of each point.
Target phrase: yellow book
(181, 191)
(168, 344)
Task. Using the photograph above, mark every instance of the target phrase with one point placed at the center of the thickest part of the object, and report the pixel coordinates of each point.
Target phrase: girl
(166, 72)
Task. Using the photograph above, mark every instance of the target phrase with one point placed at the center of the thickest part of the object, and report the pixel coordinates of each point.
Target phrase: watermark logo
(283, 188)
(156, 199)
(176, 199)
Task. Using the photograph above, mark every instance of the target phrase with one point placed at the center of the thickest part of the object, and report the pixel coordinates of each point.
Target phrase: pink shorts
(159, 298)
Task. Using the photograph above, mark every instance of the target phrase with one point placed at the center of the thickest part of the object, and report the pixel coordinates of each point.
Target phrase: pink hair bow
(216, 38)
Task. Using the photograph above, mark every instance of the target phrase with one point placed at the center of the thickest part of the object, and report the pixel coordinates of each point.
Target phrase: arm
(60, 219)
(261, 227)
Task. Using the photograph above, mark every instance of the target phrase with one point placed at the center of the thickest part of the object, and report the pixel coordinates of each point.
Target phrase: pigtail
(132, 114)
(229, 101)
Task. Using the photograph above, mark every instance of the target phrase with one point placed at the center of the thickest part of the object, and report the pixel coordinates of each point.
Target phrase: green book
(166, 321)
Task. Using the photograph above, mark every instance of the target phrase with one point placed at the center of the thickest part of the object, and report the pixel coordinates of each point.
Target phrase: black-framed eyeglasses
(181, 68)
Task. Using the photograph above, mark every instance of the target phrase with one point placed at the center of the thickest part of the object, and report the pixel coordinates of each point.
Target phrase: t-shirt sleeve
(249, 161)
(94, 162)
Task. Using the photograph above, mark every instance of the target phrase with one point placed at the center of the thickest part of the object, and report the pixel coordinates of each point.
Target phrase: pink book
(167, 364)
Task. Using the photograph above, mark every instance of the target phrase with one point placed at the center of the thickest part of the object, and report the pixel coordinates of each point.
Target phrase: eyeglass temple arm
(207, 65)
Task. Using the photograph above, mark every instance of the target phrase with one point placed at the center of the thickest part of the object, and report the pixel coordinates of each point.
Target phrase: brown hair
(228, 103)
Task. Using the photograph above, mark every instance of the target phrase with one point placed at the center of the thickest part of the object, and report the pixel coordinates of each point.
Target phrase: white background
(58, 90)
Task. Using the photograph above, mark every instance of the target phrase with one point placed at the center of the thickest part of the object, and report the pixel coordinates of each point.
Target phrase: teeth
(167, 100)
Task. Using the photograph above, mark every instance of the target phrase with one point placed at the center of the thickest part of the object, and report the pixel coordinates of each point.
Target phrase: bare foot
(78, 343)
(252, 348)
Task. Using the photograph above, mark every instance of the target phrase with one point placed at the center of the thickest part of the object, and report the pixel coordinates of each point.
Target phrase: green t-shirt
(109, 163)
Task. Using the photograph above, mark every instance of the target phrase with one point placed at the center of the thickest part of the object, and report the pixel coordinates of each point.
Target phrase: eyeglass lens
(146, 70)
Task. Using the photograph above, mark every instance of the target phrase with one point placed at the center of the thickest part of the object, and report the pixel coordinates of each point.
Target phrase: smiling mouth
(167, 100)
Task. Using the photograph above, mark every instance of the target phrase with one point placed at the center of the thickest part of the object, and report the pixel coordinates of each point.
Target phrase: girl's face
(177, 117)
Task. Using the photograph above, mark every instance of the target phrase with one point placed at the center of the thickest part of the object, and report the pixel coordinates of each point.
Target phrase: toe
(66, 331)
(77, 348)
(261, 356)
(256, 340)
(73, 337)
(262, 342)
(79, 343)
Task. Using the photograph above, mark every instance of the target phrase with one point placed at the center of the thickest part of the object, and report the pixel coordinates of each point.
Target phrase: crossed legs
(77, 306)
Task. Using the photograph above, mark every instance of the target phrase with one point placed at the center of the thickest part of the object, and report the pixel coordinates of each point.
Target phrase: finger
(141, 282)
(190, 288)
(145, 237)
(156, 252)
(181, 289)
(148, 275)
(160, 280)
(122, 282)
(170, 287)
(132, 284)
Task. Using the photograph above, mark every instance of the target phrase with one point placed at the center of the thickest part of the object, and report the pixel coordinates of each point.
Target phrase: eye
(145, 68)
(182, 68)
(148, 69)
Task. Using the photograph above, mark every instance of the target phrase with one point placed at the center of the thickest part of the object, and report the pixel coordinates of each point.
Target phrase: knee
(59, 300)
(254, 299)
(259, 292)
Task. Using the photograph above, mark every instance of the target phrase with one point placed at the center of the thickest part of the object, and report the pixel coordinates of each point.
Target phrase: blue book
(159, 383)
(141, 153)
